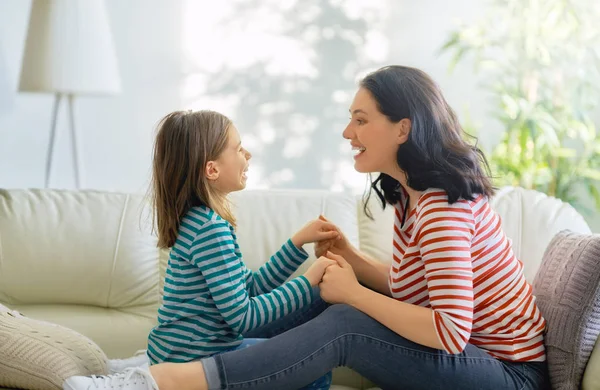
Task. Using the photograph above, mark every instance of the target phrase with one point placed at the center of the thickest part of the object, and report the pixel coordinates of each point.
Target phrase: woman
(453, 310)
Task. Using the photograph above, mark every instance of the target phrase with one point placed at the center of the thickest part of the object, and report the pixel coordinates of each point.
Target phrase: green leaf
(564, 152)
(590, 173)
(458, 55)
(511, 107)
(540, 62)
(451, 43)
(593, 190)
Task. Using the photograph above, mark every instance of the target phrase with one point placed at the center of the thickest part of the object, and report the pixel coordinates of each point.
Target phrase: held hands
(314, 274)
(315, 231)
(338, 245)
(339, 283)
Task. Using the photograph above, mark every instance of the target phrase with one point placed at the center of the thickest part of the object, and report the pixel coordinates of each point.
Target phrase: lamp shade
(69, 49)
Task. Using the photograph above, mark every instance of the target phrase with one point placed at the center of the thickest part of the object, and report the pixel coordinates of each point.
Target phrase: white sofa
(87, 259)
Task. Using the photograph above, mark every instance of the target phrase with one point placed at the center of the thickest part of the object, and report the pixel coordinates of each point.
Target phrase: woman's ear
(404, 127)
(212, 170)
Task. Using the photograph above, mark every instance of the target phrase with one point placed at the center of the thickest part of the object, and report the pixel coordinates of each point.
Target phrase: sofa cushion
(567, 288)
(41, 355)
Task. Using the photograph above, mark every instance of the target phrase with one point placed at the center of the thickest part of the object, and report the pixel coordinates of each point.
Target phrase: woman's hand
(339, 283)
(338, 245)
(315, 231)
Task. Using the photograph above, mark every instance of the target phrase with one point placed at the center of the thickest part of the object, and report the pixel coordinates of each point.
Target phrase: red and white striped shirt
(456, 260)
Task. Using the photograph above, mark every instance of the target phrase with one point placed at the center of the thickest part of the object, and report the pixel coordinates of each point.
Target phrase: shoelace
(124, 378)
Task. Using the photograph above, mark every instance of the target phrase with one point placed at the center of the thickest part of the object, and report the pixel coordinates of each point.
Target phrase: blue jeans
(323, 383)
(308, 345)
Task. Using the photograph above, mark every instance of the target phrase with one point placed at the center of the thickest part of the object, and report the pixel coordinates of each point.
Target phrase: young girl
(211, 300)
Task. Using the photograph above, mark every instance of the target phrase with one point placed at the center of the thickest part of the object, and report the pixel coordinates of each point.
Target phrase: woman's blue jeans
(310, 343)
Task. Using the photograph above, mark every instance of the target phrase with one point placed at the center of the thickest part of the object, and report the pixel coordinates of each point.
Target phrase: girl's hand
(315, 272)
(339, 245)
(314, 231)
(339, 283)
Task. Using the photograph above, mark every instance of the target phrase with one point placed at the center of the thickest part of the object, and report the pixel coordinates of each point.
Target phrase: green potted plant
(542, 63)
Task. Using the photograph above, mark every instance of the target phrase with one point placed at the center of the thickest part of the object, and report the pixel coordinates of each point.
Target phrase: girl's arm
(214, 252)
(277, 270)
(291, 255)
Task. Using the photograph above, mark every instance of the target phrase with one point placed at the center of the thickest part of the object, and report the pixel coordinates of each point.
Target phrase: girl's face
(373, 137)
(228, 172)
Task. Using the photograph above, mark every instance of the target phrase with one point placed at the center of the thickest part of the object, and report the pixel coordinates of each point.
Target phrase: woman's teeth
(358, 150)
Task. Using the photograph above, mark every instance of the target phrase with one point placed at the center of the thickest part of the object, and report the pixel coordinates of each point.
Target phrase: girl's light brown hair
(185, 142)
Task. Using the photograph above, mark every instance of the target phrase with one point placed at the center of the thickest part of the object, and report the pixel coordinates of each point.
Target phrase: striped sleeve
(444, 234)
(277, 270)
(213, 251)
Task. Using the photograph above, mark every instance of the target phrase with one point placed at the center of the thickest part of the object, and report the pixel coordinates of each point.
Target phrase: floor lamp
(69, 52)
(5, 90)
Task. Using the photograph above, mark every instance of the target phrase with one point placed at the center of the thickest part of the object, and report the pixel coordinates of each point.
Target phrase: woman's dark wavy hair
(435, 155)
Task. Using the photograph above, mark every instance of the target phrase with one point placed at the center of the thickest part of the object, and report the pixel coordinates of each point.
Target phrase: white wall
(116, 132)
(284, 71)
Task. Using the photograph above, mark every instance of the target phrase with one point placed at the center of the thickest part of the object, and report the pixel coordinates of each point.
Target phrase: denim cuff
(211, 372)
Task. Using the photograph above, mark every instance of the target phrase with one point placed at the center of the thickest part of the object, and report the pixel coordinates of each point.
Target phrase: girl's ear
(404, 127)
(212, 170)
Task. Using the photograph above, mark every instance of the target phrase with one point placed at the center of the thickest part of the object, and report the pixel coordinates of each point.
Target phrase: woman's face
(373, 137)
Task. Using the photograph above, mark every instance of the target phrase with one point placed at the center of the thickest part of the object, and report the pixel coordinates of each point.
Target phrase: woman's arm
(410, 321)
(443, 236)
(413, 322)
(370, 272)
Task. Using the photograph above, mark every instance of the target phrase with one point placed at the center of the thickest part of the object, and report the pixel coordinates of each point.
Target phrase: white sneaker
(140, 359)
(130, 379)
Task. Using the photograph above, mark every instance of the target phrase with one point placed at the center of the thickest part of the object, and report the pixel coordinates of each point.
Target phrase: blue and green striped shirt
(211, 298)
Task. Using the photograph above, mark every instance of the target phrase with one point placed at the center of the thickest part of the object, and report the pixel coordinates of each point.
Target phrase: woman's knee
(344, 318)
(347, 312)
(341, 311)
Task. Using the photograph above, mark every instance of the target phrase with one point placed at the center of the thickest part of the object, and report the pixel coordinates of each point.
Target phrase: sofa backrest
(95, 248)
(87, 259)
(76, 248)
(531, 219)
